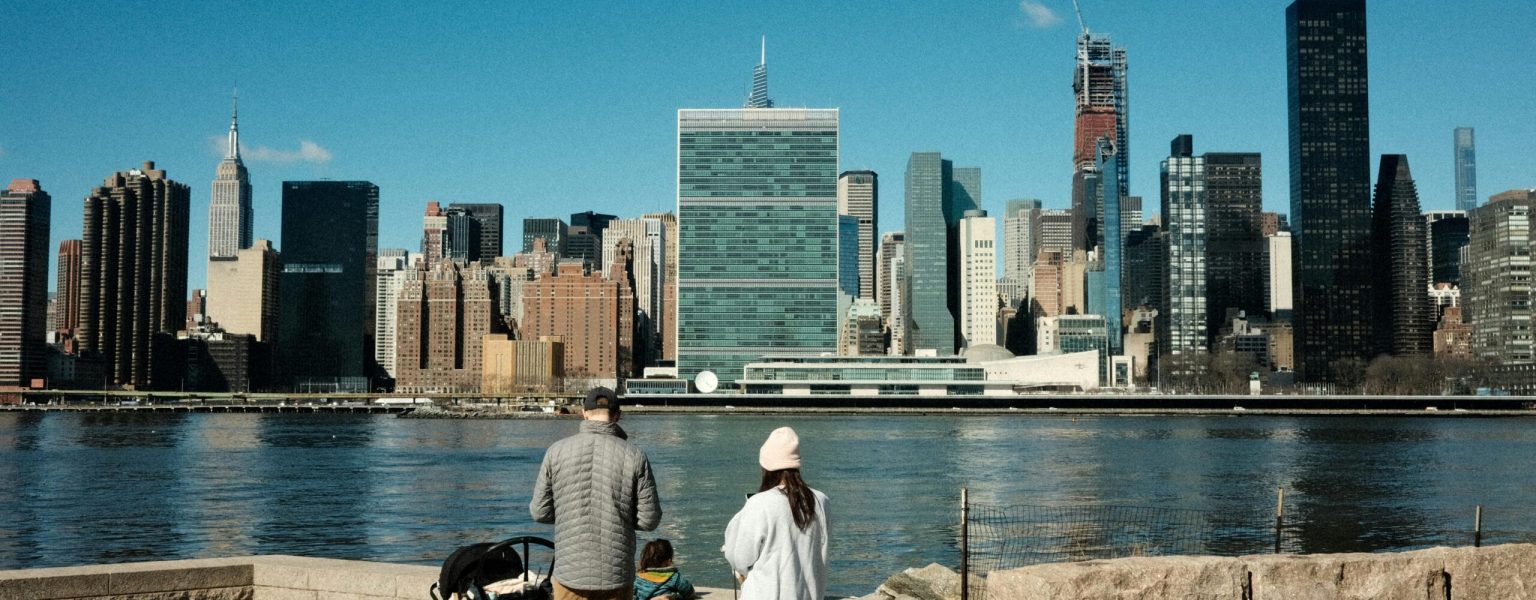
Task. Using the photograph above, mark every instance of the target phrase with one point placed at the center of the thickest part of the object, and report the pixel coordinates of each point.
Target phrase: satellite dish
(706, 382)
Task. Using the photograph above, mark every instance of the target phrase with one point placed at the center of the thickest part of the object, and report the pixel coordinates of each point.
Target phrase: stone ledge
(273, 577)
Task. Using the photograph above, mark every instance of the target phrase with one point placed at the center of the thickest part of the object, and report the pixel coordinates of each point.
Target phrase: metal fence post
(965, 545)
(1279, 518)
(1477, 528)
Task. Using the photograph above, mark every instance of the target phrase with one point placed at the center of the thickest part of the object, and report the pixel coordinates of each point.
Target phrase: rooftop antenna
(1079, 10)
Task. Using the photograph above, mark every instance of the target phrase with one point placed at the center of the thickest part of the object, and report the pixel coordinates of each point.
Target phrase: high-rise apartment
(757, 249)
(487, 225)
(1405, 322)
(929, 323)
(434, 235)
(330, 256)
(1103, 111)
(1496, 278)
(133, 277)
(393, 268)
(243, 291)
(1466, 169)
(442, 318)
(978, 279)
(1021, 232)
(858, 196)
(25, 210)
(1234, 244)
(230, 219)
(67, 293)
(591, 313)
(1183, 323)
(1330, 184)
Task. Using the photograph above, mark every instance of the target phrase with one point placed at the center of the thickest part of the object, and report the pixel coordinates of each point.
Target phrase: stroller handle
(525, 541)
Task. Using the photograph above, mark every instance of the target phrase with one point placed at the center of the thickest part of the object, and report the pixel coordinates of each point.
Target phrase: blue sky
(552, 108)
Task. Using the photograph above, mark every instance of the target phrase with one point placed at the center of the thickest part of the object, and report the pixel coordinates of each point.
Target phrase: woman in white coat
(777, 543)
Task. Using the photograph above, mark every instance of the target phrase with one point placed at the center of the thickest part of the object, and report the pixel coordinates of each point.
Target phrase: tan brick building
(512, 366)
(443, 316)
(593, 314)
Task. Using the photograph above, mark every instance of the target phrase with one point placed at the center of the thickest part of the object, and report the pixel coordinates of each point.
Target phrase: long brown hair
(802, 501)
(655, 555)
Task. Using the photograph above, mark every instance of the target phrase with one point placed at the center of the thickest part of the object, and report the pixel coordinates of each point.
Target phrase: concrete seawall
(1506, 572)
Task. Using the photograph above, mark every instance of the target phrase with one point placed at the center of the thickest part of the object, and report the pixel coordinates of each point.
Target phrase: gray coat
(597, 489)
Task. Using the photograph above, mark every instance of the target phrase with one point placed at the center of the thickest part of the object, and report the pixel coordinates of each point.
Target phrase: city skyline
(1015, 71)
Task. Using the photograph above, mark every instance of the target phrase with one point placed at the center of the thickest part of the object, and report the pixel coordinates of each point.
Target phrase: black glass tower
(1330, 185)
(1405, 321)
(1236, 263)
(488, 223)
(1447, 235)
(330, 244)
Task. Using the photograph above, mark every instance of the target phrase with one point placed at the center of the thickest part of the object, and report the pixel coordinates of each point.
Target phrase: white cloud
(2, 151)
(307, 151)
(1039, 15)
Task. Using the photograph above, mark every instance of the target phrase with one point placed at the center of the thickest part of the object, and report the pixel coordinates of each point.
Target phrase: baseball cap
(600, 397)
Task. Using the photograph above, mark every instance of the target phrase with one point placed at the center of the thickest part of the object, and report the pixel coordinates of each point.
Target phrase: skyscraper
(1055, 232)
(243, 291)
(757, 249)
(461, 245)
(1447, 235)
(1405, 322)
(667, 309)
(585, 237)
(930, 324)
(964, 196)
(554, 232)
(858, 196)
(434, 235)
(978, 279)
(759, 96)
(1278, 288)
(1021, 232)
(393, 268)
(68, 289)
(1330, 184)
(1496, 278)
(1234, 243)
(647, 240)
(1111, 251)
(133, 277)
(25, 210)
(488, 219)
(443, 316)
(330, 247)
(1184, 226)
(229, 210)
(848, 257)
(889, 281)
(1466, 169)
(1103, 111)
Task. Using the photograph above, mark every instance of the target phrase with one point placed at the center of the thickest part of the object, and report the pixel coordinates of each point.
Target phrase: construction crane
(1079, 10)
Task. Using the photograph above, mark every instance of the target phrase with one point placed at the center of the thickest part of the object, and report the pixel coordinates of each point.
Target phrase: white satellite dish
(706, 382)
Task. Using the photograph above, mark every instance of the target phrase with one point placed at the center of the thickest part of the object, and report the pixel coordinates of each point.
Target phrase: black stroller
(470, 569)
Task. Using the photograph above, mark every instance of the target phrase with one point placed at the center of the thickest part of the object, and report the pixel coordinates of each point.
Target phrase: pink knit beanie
(781, 451)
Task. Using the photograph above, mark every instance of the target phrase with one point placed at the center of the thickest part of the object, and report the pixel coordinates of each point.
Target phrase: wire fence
(1006, 537)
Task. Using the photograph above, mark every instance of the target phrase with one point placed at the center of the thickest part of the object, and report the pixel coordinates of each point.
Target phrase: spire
(234, 127)
(759, 96)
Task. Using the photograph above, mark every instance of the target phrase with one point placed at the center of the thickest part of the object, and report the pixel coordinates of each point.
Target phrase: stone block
(179, 576)
(48, 584)
(1504, 571)
(933, 582)
(280, 593)
(1400, 576)
(1185, 578)
(278, 574)
(361, 581)
(413, 582)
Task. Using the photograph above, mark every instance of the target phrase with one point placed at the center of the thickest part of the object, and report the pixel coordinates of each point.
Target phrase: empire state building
(229, 213)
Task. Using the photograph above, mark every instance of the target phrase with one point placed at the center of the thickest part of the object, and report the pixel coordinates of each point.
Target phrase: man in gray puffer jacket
(597, 489)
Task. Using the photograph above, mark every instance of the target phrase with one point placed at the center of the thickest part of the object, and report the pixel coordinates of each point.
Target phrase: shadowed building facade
(25, 212)
(67, 298)
(133, 272)
(1405, 321)
(330, 248)
(1235, 249)
(1330, 185)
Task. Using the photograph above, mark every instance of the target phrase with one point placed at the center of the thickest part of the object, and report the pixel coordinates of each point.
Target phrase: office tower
(461, 243)
(229, 210)
(197, 309)
(488, 226)
(1021, 230)
(667, 305)
(1055, 232)
(1099, 85)
(978, 279)
(1059, 284)
(1404, 321)
(1234, 238)
(647, 238)
(243, 291)
(964, 196)
(930, 324)
(584, 239)
(1447, 234)
(1496, 276)
(757, 265)
(133, 277)
(591, 313)
(1111, 302)
(1466, 169)
(442, 318)
(393, 268)
(554, 232)
(1278, 285)
(848, 256)
(1183, 307)
(1144, 268)
(885, 280)
(24, 221)
(1130, 215)
(1330, 185)
(1271, 223)
(434, 235)
(861, 332)
(68, 290)
(759, 96)
(858, 196)
(330, 259)
(1066, 334)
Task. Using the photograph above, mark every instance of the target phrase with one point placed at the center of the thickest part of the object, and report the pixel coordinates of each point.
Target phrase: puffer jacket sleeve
(647, 504)
(542, 506)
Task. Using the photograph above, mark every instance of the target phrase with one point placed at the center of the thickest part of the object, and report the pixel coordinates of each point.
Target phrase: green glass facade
(757, 236)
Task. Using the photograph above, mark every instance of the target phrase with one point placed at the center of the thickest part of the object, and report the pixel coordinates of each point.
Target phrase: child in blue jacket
(657, 577)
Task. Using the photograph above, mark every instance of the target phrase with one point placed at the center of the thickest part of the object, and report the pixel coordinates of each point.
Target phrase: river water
(78, 488)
